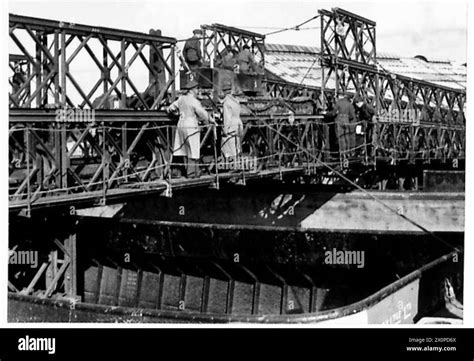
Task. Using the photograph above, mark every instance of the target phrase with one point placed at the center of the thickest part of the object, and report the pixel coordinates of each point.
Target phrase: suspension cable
(296, 27)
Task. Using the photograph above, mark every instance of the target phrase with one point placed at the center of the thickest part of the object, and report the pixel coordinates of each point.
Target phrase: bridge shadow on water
(260, 204)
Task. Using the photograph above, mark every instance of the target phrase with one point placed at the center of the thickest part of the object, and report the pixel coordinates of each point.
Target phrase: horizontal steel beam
(80, 29)
(230, 29)
(341, 63)
(354, 16)
(137, 116)
(346, 13)
(17, 57)
(49, 116)
(87, 199)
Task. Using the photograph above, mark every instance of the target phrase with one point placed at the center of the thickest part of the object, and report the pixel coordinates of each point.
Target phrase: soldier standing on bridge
(192, 50)
(226, 62)
(345, 115)
(227, 59)
(187, 140)
(365, 114)
(18, 79)
(246, 61)
(233, 127)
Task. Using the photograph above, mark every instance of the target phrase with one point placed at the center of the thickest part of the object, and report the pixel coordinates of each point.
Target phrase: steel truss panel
(80, 66)
(352, 37)
(50, 158)
(217, 37)
(414, 118)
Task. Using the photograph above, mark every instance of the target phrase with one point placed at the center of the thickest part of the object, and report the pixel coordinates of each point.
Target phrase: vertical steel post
(52, 270)
(123, 75)
(280, 159)
(375, 43)
(321, 59)
(28, 175)
(327, 145)
(70, 279)
(105, 65)
(125, 157)
(57, 68)
(44, 96)
(242, 160)
(214, 132)
(123, 105)
(214, 56)
(376, 123)
(39, 73)
(173, 71)
(63, 152)
(313, 133)
(105, 167)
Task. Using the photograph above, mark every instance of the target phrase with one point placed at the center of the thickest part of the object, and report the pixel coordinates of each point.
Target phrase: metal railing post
(214, 131)
(105, 167)
(28, 187)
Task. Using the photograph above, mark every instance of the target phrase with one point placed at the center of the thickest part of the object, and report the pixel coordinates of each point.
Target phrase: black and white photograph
(238, 163)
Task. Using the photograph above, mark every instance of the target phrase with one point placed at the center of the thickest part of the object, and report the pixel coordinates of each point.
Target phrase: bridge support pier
(56, 272)
(61, 274)
(70, 281)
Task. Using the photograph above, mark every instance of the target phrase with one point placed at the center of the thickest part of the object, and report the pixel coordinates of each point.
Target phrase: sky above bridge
(433, 29)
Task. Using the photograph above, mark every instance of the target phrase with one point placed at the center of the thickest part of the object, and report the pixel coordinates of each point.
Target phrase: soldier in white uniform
(233, 127)
(187, 140)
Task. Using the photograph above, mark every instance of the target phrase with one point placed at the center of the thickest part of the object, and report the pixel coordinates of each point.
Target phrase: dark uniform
(345, 130)
(227, 59)
(365, 113)
(192, 50)
(18, 79)
(226, 73)
(246, 61)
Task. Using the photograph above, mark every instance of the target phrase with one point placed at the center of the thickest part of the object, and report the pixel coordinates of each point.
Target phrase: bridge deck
(126, 191)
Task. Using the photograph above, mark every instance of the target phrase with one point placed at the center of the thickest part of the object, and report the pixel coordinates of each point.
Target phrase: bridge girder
(57, 53)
